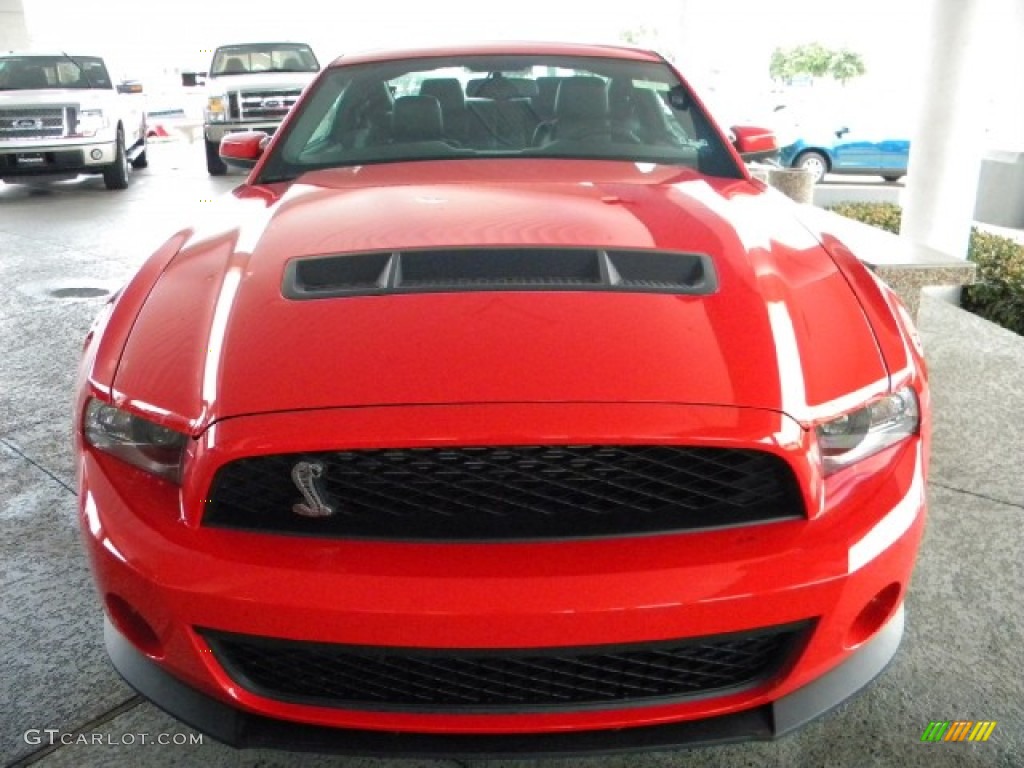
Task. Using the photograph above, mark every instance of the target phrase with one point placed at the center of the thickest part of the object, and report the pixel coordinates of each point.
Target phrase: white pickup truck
(251, 87)
(61, 115)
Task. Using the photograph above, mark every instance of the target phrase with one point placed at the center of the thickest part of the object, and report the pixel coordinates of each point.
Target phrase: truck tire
(115, 175)
(214, 164)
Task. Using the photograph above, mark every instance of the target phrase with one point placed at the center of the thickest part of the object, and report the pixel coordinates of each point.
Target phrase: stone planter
(795, 183)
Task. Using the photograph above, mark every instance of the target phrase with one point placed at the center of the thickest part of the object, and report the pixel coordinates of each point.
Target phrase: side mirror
(242, 150)
(755, 143)
(678, 98)
(840, 132)
(192, 79)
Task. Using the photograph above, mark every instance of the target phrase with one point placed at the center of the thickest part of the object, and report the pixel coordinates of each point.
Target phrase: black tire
(812, 161)
(115, 175)
(893, 178)
(214, 164)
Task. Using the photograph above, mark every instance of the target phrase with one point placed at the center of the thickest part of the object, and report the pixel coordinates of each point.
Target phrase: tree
(846, 65)
(815, 60)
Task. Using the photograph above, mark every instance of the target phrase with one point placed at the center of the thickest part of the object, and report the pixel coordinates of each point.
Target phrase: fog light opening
(96, 154)
(874, 615)
(133, 626)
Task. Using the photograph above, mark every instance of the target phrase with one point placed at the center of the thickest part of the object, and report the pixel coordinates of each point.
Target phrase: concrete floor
(961, 657)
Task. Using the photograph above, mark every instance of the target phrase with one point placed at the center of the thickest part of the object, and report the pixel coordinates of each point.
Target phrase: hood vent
(498, 269)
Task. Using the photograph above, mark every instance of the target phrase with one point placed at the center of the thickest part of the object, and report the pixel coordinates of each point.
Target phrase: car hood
(63, 97)
(250, 80)
(783, 331)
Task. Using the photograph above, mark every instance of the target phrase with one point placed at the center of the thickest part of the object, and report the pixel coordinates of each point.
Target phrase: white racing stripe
(891, 527)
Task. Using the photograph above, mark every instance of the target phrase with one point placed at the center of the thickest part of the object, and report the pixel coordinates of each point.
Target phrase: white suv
(251, 87)
(61, 115)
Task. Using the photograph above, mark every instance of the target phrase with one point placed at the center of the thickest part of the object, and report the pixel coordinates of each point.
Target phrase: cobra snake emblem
(305, 475)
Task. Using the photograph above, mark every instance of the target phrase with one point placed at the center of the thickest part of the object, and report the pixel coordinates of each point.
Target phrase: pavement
(62, 704)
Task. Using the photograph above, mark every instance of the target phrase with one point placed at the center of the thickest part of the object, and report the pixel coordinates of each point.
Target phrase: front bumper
(48, 158)
(244, 730)
(845, 568)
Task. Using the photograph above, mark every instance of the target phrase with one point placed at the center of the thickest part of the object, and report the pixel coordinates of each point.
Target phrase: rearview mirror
(242, 150)
(755, 143)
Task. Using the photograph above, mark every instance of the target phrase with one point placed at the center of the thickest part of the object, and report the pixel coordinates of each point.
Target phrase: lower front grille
(30, 163)
(445, 680)
(503, 493)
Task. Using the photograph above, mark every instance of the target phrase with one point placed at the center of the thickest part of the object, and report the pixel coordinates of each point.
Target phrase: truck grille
(457, 680)
(504, 493)
(35, 122)
(264, 104)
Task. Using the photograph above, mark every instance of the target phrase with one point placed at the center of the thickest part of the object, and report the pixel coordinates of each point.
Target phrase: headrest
(417, 118)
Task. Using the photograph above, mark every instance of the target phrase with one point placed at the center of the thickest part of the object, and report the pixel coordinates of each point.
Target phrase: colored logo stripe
(958, 730)
(935, 731)
(982, 731)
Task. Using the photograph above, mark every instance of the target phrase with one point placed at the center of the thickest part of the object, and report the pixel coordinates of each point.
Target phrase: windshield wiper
(81, 69)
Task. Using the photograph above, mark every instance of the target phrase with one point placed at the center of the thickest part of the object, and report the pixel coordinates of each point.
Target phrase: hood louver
(498, 269)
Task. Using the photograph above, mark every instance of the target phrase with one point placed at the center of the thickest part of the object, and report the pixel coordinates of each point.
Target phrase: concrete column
(948, 138)
(13, 32)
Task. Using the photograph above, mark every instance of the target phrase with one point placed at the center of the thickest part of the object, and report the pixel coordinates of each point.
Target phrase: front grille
(265, 104)
(503, 493)
(456, 680)
(34, 122)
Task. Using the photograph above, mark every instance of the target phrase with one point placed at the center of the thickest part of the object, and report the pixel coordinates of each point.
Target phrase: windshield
(24, 73)
(499, 106)
(263, 57)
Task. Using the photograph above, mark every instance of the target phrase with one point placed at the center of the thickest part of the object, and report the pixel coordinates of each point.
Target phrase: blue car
(848, 150)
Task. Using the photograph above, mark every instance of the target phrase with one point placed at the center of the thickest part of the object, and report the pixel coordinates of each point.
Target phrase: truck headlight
(139, 442)
(216, 109)
(91, 122)
(854, 436)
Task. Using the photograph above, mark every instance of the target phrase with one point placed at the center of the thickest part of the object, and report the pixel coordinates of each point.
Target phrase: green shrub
(998, 294)
(885, 216)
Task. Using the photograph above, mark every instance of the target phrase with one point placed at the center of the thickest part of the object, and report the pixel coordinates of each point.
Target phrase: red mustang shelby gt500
(500, 410)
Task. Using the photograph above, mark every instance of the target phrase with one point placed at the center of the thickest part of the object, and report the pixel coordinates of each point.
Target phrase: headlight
(91, 122)
(216, 106)
(864, 432)
(140, 442)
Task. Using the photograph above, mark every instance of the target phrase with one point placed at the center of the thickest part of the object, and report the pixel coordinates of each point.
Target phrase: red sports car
(500, 411)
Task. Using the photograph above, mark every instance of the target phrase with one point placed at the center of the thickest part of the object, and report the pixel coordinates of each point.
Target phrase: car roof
(245, 43)
(496, 48)
(47, 54)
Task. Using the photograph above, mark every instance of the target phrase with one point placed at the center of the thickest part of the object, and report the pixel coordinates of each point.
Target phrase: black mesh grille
(498, 269)
(467, 680)
(504, 493)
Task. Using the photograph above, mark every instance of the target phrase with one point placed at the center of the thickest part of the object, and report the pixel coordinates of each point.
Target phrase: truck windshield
(25, 73)
(263, 57)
